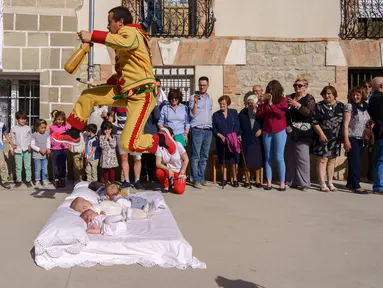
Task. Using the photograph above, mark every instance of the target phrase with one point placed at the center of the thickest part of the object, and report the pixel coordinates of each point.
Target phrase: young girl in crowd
(41, 145)
(108, 145)
(59, 150)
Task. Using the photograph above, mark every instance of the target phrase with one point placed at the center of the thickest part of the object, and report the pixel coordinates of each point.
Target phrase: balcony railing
(362, 19)
(173, 18)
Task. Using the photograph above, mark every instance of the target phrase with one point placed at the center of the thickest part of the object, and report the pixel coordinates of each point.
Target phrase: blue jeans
(201, 140)
(275, 144)
(378, 171)
(41, 165)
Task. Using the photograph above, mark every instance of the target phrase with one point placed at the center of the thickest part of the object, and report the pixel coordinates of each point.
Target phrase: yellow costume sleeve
(126, 38)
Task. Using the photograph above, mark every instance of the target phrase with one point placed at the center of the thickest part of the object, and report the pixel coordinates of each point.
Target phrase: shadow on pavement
(49, 193)
(238, 283)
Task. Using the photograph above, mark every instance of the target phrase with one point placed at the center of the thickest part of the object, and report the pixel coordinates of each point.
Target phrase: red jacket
(274, 116)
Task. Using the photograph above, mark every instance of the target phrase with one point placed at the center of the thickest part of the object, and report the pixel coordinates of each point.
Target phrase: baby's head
(112, 191)
(80, 204)
(88, 215)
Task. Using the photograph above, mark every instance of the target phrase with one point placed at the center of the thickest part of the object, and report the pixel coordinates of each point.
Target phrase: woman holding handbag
(299, 136)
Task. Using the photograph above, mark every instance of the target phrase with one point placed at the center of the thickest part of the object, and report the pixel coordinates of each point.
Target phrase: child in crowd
(59, 150)
(41, 144)
(3, 164)
(108, 143)
(77, 152)
(21, 135)
(92, 153)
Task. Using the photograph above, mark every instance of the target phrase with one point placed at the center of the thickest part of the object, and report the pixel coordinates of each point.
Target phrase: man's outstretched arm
(126, 39)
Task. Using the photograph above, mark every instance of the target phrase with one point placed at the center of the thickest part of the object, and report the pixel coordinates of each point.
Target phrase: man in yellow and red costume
(133, 86)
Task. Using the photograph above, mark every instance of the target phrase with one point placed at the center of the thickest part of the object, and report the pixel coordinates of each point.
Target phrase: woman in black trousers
(355, 119)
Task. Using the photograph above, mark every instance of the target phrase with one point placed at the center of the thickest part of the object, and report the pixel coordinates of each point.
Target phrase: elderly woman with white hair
(300, 134)
(251, 134)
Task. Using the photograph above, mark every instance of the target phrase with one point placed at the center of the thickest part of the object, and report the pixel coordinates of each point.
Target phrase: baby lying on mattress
(133, 207)
(102, 224)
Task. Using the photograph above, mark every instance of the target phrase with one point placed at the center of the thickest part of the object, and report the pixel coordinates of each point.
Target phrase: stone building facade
(40, 36)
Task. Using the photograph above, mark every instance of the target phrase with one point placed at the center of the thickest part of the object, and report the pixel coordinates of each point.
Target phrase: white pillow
(85, 193)
(64, 231)
(81, 184)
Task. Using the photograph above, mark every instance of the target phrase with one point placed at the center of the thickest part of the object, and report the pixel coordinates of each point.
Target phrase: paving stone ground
(248, 238)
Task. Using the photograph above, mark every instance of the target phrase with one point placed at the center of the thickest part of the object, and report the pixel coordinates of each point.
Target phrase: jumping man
(133, 86)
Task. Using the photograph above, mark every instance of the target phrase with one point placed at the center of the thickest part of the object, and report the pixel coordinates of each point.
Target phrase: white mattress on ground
(156, 241)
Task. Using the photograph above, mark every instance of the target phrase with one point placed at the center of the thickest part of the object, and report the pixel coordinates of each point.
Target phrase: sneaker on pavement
(17, 185)
(38, 184)
(62, 183)
(57, 183)
(197, 185)
(166, 141)
(165, 190)
(71, 137)
(28, 184)
(139, 186)
(204, 183)
(6, 185)
(46, 184)
(125, 185)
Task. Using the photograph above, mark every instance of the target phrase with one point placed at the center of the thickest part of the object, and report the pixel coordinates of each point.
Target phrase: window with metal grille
(173, 18)
(361, 19)
(182, 78)
(356, 76)
(19, 93)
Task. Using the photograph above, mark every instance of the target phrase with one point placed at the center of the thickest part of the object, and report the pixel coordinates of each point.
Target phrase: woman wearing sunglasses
(175, 115)
(300, 134)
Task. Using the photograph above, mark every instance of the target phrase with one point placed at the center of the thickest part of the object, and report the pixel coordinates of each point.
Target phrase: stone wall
(39, 36)
(285, 61)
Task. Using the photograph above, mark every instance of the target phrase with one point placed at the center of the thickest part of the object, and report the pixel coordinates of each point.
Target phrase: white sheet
(157, 241)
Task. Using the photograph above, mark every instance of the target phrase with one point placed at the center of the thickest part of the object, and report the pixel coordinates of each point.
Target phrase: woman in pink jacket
(273, 113)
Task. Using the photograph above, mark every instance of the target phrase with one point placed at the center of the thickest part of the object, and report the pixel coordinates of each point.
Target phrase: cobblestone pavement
(248, 238)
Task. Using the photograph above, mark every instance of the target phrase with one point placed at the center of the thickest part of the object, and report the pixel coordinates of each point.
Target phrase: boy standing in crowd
(92, 153)
(20, 146)
(3, 164)
(77, 153)
(120, 114)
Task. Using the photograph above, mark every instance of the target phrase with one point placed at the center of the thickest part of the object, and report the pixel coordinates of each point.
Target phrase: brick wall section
(232, 86)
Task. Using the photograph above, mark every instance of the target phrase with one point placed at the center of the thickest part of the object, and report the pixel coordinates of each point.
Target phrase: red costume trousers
(163, 175)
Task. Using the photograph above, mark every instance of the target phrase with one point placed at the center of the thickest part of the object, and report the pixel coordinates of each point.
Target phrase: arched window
(173, 18)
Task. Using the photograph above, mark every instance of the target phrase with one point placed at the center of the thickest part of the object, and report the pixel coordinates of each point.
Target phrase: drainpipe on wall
(91, 52)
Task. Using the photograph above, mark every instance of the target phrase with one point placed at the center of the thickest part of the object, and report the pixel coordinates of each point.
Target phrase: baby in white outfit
(102, 224)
